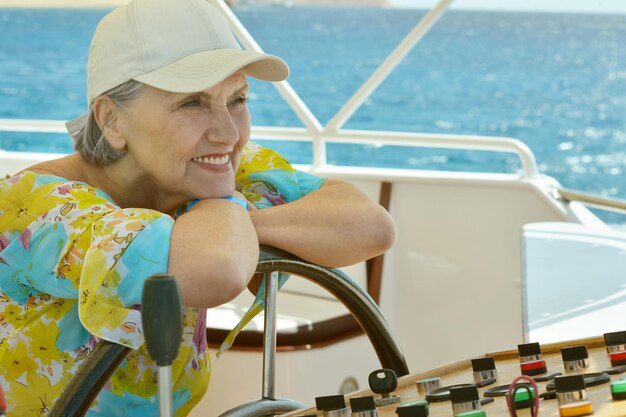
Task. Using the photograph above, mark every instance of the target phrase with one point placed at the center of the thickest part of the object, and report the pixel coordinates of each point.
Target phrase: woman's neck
(121, 182)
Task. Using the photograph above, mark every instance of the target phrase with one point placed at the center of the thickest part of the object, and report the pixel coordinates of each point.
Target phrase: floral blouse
(72, 267)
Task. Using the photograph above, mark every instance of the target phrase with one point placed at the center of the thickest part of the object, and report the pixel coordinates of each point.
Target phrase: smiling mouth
(213, 160)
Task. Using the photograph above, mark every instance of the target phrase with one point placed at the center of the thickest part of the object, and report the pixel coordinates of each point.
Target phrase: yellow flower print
(106, 244)
(42, 342)
(137, 382)
(23, 404)
(67, 207)
(19, 185)
(84, 297)
(94, 233)
(11, 314)
(73, 259)
(135, 226)
(59, 309)
(117, 257)
(63, 271)
(123, 239)
(16, 361)
(30, 303)
(258, 159)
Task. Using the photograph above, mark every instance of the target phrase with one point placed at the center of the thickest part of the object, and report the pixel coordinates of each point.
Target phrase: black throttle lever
(162, 320)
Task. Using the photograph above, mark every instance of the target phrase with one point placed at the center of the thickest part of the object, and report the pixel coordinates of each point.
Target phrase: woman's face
(188, 145)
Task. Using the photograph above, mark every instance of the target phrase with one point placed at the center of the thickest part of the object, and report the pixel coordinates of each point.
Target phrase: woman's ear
(107, 115)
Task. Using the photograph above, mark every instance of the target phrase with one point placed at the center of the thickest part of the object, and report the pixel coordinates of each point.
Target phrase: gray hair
(90, 142)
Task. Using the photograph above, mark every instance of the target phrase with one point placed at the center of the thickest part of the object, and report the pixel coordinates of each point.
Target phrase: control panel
(569, 379)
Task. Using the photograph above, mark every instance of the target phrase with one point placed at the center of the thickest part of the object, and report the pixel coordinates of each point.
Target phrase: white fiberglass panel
(575, 281)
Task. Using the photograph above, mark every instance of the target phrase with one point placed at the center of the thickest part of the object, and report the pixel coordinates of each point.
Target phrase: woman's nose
(222, 129)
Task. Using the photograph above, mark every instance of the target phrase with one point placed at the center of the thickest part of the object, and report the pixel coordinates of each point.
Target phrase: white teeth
(222, 160)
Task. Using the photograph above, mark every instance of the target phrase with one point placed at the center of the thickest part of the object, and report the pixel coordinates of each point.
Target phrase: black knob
(383, 381)
(615, 338)
(574, 353)
(464, 394)
(361, 404)
(330, 403)
(162, 317)
(569, 383)
(483, 364)
(529, 349)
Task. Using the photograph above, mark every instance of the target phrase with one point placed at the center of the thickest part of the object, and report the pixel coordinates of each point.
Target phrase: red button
(618, 358)
(527, 366)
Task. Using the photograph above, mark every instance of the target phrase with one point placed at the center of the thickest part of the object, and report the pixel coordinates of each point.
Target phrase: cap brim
(206, 69)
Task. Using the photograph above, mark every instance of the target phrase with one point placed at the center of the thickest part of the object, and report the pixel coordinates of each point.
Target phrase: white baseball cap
(182, 46)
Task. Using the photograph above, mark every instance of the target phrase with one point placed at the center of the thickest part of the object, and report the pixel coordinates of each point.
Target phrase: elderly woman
(163, 179)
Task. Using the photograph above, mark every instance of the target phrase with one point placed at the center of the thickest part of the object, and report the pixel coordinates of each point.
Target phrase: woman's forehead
(234, 84)
(236, 81)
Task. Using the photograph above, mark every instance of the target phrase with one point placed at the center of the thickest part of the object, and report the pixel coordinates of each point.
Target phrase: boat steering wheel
(106, 356)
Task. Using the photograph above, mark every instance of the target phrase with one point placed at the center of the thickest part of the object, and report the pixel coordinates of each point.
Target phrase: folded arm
(213, 252)
(336, 225)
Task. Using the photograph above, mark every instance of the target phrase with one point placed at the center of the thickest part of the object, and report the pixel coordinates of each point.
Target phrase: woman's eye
(239, 102)
(192, 103)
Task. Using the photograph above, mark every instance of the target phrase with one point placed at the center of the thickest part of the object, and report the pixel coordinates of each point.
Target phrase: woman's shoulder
(29, 183)
(24, 184)
(28, 196)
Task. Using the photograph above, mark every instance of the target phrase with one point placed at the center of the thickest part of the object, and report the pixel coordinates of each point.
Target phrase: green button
(417, 408)
(618, 386)
(414, 403)
(473, 413)
(522, 394)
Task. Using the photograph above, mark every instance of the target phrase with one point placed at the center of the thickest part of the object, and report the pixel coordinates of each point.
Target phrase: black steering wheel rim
(350, 294)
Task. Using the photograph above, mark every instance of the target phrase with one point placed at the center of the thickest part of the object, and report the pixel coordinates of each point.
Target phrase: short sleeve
(127, 246)
(72, 269)
(68, 240)
(267, 179)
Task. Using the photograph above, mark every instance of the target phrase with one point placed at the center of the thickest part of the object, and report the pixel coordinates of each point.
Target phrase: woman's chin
(203, 188)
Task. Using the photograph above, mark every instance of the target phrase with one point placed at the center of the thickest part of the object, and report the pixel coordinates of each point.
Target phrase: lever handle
(162, 317)
(383, 381)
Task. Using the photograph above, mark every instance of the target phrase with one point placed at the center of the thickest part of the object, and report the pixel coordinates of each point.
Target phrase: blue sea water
(555, 81)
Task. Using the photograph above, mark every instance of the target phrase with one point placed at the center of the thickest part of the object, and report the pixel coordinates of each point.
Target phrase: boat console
(574, 378)
(565, 379)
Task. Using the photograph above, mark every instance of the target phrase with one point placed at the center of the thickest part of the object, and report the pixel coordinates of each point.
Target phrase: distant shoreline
(101, 4)
(56, 4)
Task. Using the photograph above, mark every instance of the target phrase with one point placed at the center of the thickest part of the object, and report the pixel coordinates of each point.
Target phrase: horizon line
(110, 4)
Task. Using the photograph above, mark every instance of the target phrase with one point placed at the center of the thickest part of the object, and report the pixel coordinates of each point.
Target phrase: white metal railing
(365, 137)
(390, 63)
(423, 140)
(603, 203)
(333, 132)
(294, 101)
(32, 125)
